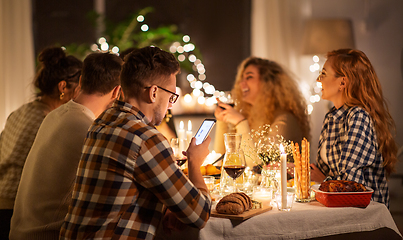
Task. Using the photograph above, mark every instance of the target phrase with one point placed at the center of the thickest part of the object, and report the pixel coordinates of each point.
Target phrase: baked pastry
(234, 203)
(341, 186)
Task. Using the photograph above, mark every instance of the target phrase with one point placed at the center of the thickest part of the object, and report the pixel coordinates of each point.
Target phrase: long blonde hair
(279, 92)
(364, 90)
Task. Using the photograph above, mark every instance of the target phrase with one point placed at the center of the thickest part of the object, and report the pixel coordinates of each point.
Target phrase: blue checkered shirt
(352, 150)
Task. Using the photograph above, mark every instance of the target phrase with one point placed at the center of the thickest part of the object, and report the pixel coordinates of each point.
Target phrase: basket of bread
(342, 193)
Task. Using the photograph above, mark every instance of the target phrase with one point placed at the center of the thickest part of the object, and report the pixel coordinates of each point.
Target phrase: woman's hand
(227, 114)
(316, 174)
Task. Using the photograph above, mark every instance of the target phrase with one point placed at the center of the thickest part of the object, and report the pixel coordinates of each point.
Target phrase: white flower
(267, 147)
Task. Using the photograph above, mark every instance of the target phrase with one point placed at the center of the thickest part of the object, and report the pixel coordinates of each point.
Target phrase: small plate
(343, 199)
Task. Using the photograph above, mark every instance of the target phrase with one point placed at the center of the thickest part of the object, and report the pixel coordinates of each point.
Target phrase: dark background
(220, 29)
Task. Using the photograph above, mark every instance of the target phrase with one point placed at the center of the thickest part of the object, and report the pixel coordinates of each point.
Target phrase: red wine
(231, 104)
(234, 171)
(180, 162)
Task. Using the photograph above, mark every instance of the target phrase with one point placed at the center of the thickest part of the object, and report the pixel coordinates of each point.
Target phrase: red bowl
(343, 199)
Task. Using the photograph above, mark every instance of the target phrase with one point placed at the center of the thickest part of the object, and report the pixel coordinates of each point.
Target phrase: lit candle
(181, 136)
(211, 157)
(181, 130)
(189, 133)
(263, 195)
(283, 162)
(188, 103)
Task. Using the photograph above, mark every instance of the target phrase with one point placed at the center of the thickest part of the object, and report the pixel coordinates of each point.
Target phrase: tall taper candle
(182, 137)
(283, 167)
(181, 130)
(189, 133)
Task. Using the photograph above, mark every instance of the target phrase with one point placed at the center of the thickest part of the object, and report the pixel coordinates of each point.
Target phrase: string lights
(203, 91)
(316, 86)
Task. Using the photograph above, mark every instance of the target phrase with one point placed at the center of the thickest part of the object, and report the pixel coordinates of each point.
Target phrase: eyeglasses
(174, 97)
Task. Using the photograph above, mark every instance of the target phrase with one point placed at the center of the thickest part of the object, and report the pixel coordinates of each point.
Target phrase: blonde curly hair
(364, 90)
(278, 92)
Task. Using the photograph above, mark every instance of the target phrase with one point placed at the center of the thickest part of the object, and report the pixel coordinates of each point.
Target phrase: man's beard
(157, 115)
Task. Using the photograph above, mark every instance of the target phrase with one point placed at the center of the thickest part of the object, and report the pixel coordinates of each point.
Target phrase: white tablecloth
(305, 220)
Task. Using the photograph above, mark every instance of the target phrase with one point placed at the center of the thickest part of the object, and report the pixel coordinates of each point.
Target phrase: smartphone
(204, 130)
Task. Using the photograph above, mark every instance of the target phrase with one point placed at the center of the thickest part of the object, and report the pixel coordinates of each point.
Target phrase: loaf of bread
(234, 204)
(341, 186)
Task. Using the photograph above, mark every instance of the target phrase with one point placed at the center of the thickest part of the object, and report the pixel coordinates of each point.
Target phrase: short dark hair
(145, 67)
(126, 52)
(101, 73)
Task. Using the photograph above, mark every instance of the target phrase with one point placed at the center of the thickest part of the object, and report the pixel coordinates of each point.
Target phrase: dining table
(311, 220)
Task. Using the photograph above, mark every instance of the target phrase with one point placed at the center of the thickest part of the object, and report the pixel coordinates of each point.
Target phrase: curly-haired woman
(265, 94)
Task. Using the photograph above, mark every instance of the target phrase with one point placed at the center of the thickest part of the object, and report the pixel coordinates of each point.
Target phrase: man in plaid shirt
(127, 176)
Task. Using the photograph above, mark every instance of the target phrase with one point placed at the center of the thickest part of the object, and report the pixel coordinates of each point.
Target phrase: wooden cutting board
(242, 216)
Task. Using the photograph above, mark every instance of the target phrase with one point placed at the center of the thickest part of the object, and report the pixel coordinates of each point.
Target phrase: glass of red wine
(226, 97)
(181, 161)
(179, 157)
(234, 160)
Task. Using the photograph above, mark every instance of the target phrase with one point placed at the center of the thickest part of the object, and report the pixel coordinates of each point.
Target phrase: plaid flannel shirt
(125, 177)
(352, 150)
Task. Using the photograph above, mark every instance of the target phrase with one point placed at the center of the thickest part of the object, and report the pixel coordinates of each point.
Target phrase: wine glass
(226, 98)
(179, 158)
(234, 166)
(234, 160)
(209, 181)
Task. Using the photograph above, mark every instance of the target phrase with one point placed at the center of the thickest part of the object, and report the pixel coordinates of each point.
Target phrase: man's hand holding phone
(198, 151)
(199, 145)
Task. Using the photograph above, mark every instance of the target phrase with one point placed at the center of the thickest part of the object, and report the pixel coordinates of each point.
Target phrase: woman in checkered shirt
(356, 142)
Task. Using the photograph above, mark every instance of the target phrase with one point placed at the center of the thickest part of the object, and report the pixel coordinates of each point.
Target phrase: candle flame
(187, 98)
(282, 149)
(181, 125)
(189, 125)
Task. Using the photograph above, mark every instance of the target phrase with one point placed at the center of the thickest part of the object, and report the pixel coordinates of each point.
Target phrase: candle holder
(263, 194)
(287, 204)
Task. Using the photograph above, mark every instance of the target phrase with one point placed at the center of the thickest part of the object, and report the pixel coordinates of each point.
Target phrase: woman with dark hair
(356, 142)
(57, 82)
(265, 94)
